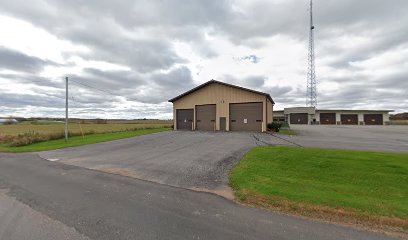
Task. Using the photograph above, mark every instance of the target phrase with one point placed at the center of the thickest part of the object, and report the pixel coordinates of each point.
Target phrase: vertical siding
(222, 96)
(269, 111)
(174, 118)
(265, 117)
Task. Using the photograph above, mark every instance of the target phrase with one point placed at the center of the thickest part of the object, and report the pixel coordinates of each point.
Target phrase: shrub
(54, 136)
(274, 126)
(285, 125)
(6, 138)
(27, 139)
(35, 137)
(32, 137)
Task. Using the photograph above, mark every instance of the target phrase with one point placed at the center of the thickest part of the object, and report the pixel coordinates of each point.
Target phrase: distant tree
(399, 116)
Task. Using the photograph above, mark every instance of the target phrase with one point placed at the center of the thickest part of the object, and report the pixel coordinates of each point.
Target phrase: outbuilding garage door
(349, 119)
(185, 118)
(328, 118)
(373, 119)
(246, 117)
(205, 117)
(299, 118)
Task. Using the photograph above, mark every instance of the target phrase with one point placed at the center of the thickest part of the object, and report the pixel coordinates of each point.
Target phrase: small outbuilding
(218, 106)
(8, 121)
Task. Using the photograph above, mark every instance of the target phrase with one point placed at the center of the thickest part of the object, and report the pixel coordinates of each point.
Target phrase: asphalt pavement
(365, 138)
(199, 160)
(90, 204)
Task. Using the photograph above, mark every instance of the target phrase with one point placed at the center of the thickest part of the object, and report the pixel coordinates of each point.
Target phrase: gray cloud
(168, 85)
(96, 23)
(24, 100)
(282, 95)
(179, 78)
(254, 81)
(114, 80)
(145, 88)
(29, 78)
(141, 55)
(141, 35)
(17, 61)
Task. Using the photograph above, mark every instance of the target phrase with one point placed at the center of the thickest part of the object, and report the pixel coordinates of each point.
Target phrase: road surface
(40, 199)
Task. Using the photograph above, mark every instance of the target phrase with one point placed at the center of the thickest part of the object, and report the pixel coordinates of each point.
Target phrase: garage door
(185, 118)
(328, 118)
(373, 119)
(349, 119)
(205, 117)
(299, 118)
(246, 117)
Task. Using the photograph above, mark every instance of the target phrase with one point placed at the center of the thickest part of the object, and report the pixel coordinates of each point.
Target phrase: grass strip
(79, 141)
(287, 132)
(368, 188)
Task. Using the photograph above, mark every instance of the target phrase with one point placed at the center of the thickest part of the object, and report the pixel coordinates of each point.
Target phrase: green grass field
(79, 140)
(398, 122)
(286, 132)
(361, 186)
(47, 128)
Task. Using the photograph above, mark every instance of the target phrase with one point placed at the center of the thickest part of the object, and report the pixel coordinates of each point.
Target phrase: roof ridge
(222, 83)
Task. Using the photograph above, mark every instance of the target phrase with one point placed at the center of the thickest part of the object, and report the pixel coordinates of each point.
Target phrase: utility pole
(311, 92)
(66, 108)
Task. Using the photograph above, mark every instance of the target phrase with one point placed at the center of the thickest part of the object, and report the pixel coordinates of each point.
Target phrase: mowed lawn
(79, 140)
(347, 185)
(77, 128)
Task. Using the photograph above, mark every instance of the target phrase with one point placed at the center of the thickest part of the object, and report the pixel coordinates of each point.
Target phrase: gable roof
(222, 83)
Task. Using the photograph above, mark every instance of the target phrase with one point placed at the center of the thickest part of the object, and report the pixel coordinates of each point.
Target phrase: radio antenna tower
(311, 93)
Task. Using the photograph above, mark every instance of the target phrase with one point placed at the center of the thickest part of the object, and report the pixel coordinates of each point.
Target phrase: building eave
(222, 83)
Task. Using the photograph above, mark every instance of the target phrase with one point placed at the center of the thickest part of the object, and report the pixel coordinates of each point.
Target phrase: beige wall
(222, 96)
(269, 111)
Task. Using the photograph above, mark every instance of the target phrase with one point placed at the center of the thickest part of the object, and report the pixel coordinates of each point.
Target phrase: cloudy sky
(146, 52)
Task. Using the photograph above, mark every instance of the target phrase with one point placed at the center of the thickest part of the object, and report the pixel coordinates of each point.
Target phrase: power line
(89, 86)
(92, 87)
(50, 95)
(82, 84)
(39, 81)
(103, 90)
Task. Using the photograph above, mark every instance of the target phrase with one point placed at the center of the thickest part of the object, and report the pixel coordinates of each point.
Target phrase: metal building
(8, 121)
(218, 106)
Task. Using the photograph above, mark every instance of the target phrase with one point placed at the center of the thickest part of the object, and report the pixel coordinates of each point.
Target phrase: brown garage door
(205, 117)
(246, 116)
(185, 118)
(299, 118)
(328, 118)
(349, 119)
(373, 119)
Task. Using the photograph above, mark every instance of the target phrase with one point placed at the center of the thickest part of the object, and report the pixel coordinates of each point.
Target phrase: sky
(127, 58)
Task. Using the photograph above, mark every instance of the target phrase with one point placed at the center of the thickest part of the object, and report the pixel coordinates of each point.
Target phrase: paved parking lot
(200, 160)
(370, 138)
(194, 160)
